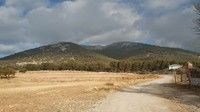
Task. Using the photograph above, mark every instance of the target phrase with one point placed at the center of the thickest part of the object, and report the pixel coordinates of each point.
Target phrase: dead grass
(61, 91)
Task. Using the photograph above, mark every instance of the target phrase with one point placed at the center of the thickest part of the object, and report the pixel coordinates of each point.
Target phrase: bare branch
(197, 22)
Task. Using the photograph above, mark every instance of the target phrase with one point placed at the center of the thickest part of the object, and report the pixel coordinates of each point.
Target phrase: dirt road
(147, 97)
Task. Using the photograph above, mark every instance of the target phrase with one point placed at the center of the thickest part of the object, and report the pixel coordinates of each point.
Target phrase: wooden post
(174, 76)
(181, 77)
(189, 76)
(189, 67)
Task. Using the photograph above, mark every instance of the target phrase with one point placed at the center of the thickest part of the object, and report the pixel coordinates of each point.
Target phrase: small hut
(186, 74)
(174, 68)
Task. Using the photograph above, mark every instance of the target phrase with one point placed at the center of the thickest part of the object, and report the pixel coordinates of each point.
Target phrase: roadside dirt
(155, 96)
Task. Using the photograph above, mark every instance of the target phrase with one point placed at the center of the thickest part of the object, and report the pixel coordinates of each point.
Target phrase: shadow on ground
(180, 93)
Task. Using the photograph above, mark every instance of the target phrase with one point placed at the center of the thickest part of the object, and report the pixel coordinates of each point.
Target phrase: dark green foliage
(136, 66)
(32, 67)
(195, 73)
(69, 65)
(22, 70)
(115, 66)
(7, 72)
(140, 67)
(48, 66)
(196, 64)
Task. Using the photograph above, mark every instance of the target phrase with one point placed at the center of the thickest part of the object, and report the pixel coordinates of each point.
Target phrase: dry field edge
(62, 91)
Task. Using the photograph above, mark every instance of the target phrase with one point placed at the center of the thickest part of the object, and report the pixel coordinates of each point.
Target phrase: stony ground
(61, 91)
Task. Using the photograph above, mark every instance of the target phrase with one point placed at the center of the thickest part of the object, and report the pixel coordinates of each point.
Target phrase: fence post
(175, 76)
(189, 76)
(181, 77)
(189, 67)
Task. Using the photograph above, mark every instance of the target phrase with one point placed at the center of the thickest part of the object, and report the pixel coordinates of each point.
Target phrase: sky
(26, 24)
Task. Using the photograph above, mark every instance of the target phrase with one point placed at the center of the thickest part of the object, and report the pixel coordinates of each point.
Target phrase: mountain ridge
(65, 51)
(56, 53)
(125, 50)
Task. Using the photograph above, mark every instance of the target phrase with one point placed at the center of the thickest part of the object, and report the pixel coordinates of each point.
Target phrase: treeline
(141, 67)
(150, 66)
(115, 66)
(196, 70)
(70, 65)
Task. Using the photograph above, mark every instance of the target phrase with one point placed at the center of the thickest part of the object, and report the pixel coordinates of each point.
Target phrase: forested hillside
(117, 57)
(139, 51)
(56, 53)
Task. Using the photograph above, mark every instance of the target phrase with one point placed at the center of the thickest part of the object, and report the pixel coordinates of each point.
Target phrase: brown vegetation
(7, 72)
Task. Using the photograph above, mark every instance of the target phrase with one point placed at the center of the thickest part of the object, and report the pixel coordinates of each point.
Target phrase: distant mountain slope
(93, 48)
(56, 53)
(133, 50)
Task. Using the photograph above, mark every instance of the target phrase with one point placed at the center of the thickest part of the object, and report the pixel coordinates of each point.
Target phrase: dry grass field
(61, 91)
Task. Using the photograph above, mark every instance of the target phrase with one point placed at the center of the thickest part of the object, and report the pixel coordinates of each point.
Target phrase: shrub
(48, 66)
(23, 70)
(109, 84)
(7, 72)
(195, 73)
(32, 67)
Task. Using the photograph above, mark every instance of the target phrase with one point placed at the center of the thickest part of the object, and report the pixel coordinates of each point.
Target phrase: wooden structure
(185, 74)
(173, 68)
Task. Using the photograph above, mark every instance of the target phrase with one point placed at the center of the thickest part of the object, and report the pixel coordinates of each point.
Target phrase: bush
(48, 66)
(7, 72)
(109, 84)
(23, 70)
(32, 67)
(134, 66)
(195, 73)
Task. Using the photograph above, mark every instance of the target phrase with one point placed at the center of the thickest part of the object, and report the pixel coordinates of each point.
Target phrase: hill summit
(132, 51)
(56, 53)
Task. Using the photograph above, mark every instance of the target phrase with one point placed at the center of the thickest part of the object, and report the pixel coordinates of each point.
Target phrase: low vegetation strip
(140, 67)
(7, 72)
